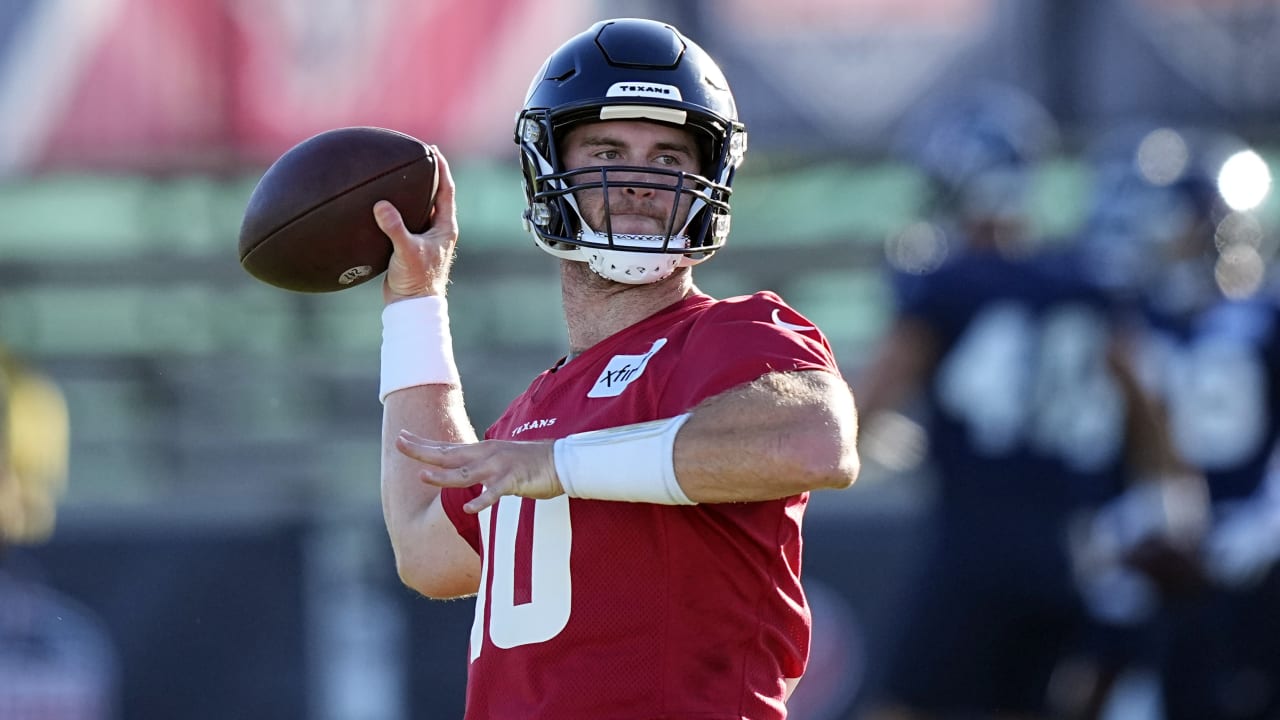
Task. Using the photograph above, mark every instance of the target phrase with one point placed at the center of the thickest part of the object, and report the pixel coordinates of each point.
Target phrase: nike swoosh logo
(784, 324)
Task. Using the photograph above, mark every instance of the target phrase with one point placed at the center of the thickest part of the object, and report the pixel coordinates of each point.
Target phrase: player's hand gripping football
(420, 263)
(503, 467)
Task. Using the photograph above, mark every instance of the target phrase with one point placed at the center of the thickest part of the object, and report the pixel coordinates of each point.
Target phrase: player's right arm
(431, 557)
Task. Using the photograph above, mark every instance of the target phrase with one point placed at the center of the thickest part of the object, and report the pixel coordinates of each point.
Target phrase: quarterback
(631, 525)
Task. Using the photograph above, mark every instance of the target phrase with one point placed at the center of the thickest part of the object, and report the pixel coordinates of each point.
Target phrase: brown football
(309, 225)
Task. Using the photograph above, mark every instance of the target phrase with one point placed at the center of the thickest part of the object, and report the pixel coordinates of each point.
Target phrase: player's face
(630, 143)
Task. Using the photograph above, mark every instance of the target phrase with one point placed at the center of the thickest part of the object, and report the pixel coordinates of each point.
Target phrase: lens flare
(1162, 157)
(1245, 180)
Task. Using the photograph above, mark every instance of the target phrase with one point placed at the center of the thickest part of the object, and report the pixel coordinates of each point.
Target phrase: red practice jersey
(595, 610)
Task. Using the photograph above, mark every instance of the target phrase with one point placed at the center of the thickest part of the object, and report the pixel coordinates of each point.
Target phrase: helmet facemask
(629, 69)
(696, 207)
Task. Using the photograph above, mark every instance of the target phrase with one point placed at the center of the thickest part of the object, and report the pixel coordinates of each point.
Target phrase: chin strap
(630, 267)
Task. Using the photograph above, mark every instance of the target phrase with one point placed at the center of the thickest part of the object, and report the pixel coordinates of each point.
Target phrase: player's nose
(635, 183)
(638, 191)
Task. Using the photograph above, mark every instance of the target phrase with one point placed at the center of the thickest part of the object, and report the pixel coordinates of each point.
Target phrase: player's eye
(672, 160)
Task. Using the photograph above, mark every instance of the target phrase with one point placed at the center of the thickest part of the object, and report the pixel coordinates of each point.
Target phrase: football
(309, 224)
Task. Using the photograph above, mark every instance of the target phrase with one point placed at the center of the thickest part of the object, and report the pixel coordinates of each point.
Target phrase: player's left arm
(780, 435)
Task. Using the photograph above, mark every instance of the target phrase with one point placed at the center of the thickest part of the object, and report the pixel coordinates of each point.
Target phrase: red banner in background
(447, 72)
(178, 84)
(181, 85)
(108, 82)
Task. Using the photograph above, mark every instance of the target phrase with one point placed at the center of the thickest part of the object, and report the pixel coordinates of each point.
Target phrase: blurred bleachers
(186, 377)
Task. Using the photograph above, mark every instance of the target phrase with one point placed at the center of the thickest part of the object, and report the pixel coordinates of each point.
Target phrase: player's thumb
(391, 223)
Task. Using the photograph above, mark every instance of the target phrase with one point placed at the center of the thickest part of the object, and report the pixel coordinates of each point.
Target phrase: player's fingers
(495, 482)
(487, 498)
(440, 454)
(459, 477)
(445, 213)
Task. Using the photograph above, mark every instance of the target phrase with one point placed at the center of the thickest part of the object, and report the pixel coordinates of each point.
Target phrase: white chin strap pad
(632, 268)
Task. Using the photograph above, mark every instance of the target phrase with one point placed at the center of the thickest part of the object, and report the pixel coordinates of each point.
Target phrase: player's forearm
(431, 411)
(780, 436)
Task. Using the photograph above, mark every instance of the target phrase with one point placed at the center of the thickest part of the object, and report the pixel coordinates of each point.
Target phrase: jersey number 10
(526, 546)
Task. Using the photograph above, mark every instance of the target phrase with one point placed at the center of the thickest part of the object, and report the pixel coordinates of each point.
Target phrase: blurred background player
(1029, 412)
(55, 660)
(1198, 263)
(1137, 553)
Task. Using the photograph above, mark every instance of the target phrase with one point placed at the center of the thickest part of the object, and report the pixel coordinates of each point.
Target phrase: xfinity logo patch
(621, 371)
(644, 89)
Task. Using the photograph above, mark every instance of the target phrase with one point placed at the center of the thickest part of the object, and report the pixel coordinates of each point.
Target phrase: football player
(1014, 359)
(630, 526)
(1213, 355)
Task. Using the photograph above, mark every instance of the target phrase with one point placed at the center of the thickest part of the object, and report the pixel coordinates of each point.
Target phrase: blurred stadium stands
(223, 506)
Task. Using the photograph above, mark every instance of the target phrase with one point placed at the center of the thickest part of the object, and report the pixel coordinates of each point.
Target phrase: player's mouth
(636, 224)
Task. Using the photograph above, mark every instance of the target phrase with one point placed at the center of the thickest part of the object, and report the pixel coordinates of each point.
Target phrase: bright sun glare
(1244, 180)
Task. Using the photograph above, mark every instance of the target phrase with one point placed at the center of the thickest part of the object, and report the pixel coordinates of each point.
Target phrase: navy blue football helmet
(1154, 206)
(629, 69)
(977, 148)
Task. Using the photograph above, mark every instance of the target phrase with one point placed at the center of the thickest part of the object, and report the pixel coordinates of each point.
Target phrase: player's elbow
(432, 576)
(424, 586)
(843, 472)
(429, 582)
(413, 573)
(830, 446)
(412, 576)
(832, 465)
(838, 460)
(826, 456)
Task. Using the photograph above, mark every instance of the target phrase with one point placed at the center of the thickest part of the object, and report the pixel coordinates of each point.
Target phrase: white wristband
(631, 463)
(416, 346)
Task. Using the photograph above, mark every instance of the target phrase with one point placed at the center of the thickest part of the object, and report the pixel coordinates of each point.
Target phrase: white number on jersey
(550, 540)
(1217, 403)
(1015, 380)
(1079, 410)
(984, 379)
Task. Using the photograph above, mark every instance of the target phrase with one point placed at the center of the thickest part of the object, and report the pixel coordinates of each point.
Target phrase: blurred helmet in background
(635, 70)
(34, 445)
(978, 149)
(1170, 215)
